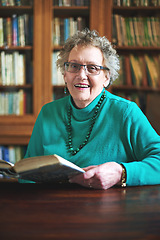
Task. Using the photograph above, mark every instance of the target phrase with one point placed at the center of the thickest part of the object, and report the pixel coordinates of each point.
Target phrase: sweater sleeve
(144, 144)
(35, 146)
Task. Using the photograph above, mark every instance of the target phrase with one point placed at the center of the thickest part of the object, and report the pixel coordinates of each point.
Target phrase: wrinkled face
(84, 87)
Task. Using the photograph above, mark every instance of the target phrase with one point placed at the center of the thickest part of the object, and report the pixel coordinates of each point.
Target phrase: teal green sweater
(121, 133)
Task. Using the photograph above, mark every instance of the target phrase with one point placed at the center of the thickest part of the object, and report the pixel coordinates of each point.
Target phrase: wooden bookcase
(17, 129)
(148, 94)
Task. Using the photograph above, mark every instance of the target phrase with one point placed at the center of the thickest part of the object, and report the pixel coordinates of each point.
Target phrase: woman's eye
(92, 68)
(73, 65)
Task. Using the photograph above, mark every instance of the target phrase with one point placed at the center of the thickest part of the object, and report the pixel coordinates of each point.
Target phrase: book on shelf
(114, 31)
(136, 70)
(9, 31)
(143, 70)
(41, 169)
(131, 31)
(152, 69)
(128, 71)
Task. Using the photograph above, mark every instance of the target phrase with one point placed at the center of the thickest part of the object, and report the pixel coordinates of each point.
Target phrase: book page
(5, 165)
(31, 163)
(69, 164)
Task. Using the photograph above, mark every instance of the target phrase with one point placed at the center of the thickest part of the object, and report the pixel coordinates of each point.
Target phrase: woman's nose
(83, 71)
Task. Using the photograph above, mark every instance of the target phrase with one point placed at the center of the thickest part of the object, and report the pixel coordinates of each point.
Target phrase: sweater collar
(84, 113)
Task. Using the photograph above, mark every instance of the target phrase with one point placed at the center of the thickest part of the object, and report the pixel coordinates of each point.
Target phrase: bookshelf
(16, 129)
(136, 35)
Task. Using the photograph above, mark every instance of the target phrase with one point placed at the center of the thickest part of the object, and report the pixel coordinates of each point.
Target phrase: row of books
(16, 30)
(142, 70)
(136, 31)
(15, 2)
(66, 27)
(15, 68)
(128, 3)
(12, 153)
(15, 103)
(12, 68)
(68, 3)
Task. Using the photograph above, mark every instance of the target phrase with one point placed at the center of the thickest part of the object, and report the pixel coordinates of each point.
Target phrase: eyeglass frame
(85, 67)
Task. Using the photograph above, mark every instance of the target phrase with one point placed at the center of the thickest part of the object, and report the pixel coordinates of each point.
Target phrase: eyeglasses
(89, 68)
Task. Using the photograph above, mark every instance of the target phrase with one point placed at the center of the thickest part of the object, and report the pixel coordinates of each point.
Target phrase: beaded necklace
(69, 127)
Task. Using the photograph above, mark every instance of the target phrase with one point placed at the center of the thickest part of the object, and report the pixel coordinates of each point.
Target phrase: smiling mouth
(82, 86)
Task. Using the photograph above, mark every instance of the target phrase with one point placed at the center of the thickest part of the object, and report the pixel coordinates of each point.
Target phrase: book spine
(2, 67)
(14, 30)
(1, 33)
(66, 29)
(128, 71)
(9, 31)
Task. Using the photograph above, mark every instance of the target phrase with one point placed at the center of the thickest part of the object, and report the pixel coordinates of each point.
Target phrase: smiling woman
(85, 85)
(105, 134)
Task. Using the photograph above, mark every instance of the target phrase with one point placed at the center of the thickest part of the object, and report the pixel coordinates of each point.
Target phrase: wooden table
(60, 212)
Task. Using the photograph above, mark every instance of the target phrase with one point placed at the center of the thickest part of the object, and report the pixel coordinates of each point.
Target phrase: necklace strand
(69, 127)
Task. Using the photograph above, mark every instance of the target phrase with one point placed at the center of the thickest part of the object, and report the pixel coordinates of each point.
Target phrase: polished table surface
(68, 211)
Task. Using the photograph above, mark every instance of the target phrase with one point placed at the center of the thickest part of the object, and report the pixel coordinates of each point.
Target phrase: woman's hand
(102, 176)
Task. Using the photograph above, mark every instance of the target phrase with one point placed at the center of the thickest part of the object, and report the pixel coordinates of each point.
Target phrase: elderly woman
(106, 135)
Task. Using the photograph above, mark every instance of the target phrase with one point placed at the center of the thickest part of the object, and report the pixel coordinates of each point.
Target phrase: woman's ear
(107, 79)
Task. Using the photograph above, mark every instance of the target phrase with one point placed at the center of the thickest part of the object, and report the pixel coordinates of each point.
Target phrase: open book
(41, 169)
